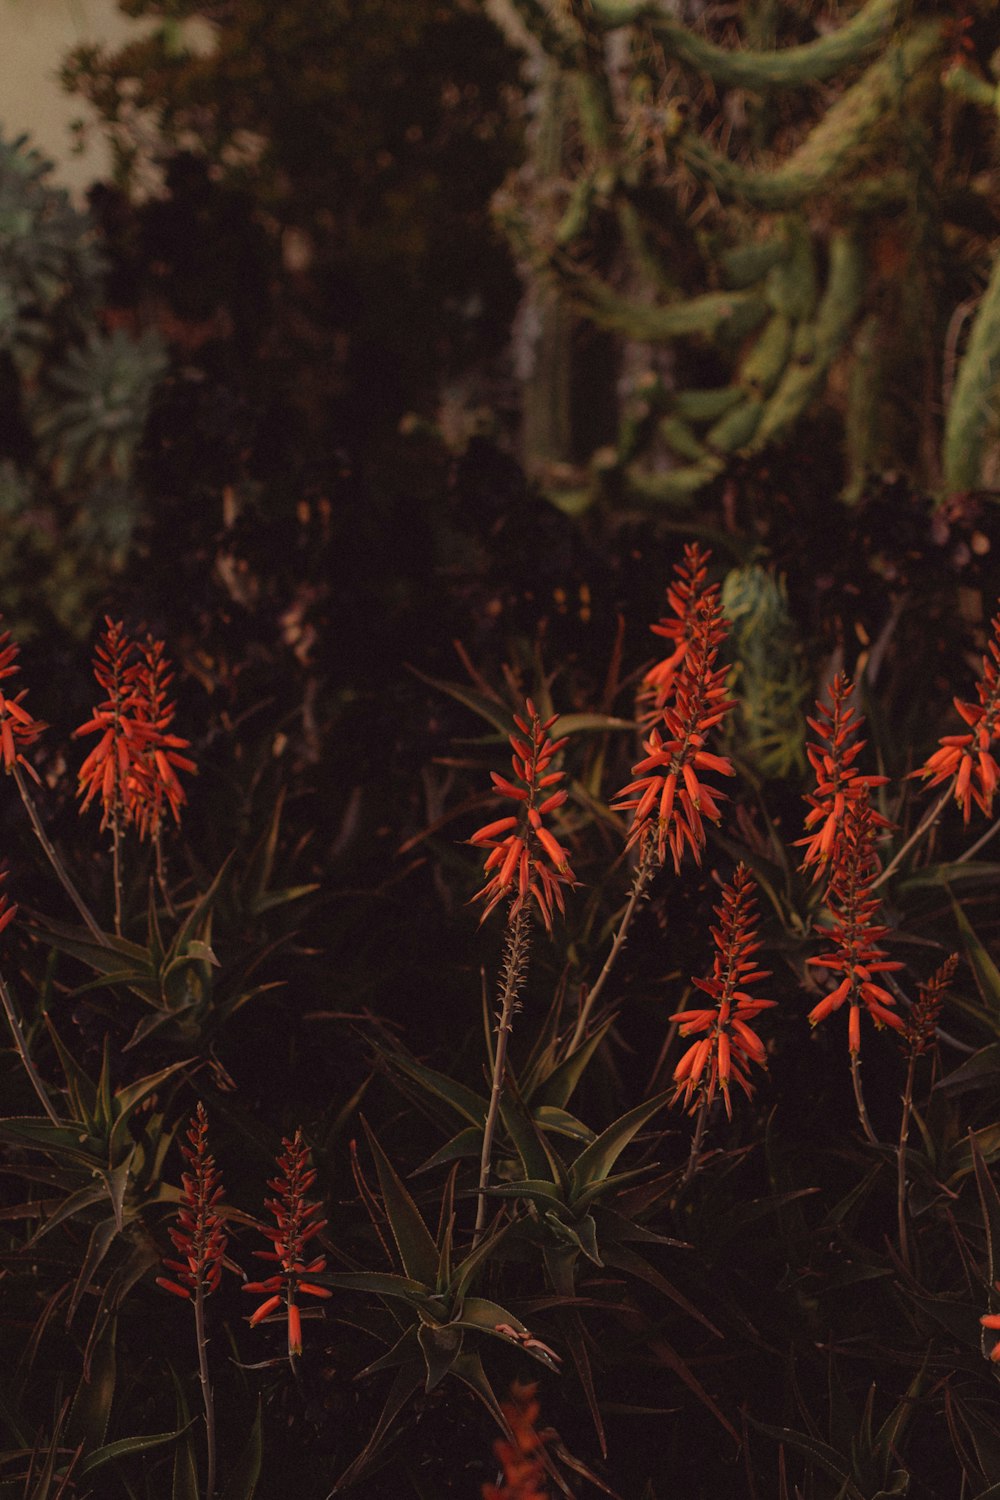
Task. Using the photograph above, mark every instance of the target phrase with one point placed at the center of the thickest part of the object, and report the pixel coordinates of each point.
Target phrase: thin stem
(904, 1131)
(161, 874)
(642, 877)
(859, 1099)
(699, 1135)
(974, 849)
(206, 1388)
(116, 864)
(53, 857)
(22, 1049)
(926, 822)
(514, 964)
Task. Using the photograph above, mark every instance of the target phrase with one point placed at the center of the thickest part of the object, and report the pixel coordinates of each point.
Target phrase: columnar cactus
(785, 230)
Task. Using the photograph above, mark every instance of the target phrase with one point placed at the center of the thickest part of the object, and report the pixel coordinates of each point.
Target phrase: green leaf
(828, 1458)
(408, 1379)
(493, 710)
(989, 1201)
(558, 1088)
(379, 1283)
(123, 1447)
(986, 972)
(246, 1471)
(58, 1141)
(537, 1158)
(470, 1105)
(74, 1204)
(416, 1247)
(91, 1410)
(596, 1161)
(101, 1239)
(979, 1071)
(440, 1348)
(561, 1122)
(467, 1143)
(82, 1092)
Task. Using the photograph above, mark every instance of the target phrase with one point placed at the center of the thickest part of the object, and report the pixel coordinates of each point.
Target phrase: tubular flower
(199, 1236)
(112, 767)
(525, 859)
(523, 1469)
(837, 782)
(17, 727)
(921, 1024)
(968, 758)
(154, 780)
(855, 933)
(297, 1222)
(669, 800)
(686, 597)
(729, 1044)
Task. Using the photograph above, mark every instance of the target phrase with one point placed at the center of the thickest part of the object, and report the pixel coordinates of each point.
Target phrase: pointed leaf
(596, 1161)
(558, 1088)
(989, 1201)
(440, 1348)
(470, 1105)
(828, 1458)
(123, 1447)
(91, 1410)
(407, 1380)
(561, 1122)
(101, 1239)
(416, 1247)
(467, 1143)
(986, 972)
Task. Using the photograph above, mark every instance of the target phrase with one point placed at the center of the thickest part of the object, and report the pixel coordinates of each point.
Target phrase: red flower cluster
(837, 782)
(17, 727)
(687, 694)
(297, 1222)
(133, 767)
(200, 1235)
(731, 1044)
(921, 1023)
(855, 933)
(523, 1470)
(968, 758)
(525, 859)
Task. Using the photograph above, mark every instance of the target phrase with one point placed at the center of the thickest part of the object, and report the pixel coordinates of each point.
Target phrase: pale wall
(35, 36)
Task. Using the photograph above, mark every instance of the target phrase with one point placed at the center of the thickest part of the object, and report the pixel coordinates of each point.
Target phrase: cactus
(767, 675)
(779, 273)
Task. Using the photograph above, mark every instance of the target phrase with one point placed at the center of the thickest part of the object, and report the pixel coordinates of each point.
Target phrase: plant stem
(642, 877)
(22, 1049)
(53, 857)
(859, 1099)
(926, 822)
(206, 1389)
(116, 864)
(699, 1136)
(974, 849)
(904, 1131)
(515, 958)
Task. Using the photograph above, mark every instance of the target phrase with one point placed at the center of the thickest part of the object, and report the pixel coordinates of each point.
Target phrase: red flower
(855, 933)
(525, 859)
(992, 1321)
(17, 727)
(670, 799)
(133, 767)
(730, 1044)
(297, 1222)
(200, 1236)
(968, 758)
(154, 780)
(523, 1470)
(837, 782)
(921, 1023)
(111, 768)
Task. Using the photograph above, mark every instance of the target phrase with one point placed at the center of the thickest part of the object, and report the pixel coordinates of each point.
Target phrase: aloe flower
(17, 727)
(967, 760)
(199, 1235)
(670, 799)
(297, 1222)
(523, 1469)
(838, 784)
(525, 859)
(855, 934)
(154, 781)
(727, 1042)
